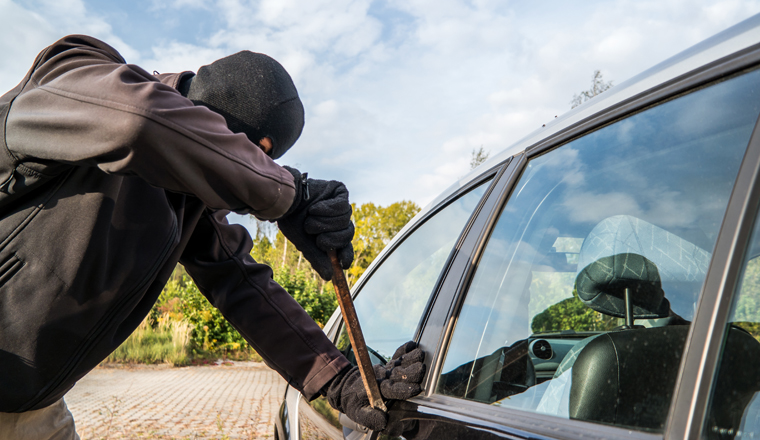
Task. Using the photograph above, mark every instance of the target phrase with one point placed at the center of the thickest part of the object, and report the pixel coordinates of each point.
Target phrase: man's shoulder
(82, 43)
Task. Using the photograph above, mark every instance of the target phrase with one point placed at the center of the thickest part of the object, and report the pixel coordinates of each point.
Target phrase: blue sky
(397, 93)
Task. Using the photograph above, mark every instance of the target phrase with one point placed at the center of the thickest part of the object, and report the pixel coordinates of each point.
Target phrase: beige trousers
(54, 422)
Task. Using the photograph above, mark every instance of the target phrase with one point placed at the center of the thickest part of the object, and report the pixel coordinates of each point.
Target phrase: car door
(391, 299)
(569, 314)
(716, 397)
(730, 379)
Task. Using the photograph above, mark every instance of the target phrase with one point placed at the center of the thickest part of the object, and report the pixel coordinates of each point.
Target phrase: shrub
(166, 342)
(318, 302)
(210, 335)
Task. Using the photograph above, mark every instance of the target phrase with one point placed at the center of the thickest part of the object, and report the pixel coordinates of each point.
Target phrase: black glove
(319, 220)
(399, 379)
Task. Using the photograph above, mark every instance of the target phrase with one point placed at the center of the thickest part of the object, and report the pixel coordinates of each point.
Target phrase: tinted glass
(582, 298)
(392, 301)
(735, 403)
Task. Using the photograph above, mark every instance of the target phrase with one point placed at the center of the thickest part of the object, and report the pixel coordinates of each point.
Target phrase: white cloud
(398, 93)
(179, 4)
(25, 31)
(466, 76)
(591, 207)
(619, 45)
(177, 57)
(22, 35)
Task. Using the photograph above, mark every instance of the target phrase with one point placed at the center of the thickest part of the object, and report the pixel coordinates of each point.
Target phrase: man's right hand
(320, 220)
(399, 379)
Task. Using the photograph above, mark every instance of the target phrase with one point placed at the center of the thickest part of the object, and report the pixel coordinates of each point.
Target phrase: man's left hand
(320, 220)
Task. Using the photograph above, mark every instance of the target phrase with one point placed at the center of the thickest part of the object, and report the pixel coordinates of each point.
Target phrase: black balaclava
(255, 95)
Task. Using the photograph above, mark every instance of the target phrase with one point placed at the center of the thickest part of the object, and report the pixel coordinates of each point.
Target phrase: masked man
(109, 176)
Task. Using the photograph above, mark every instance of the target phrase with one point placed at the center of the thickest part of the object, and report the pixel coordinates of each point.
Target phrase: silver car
(598, 279)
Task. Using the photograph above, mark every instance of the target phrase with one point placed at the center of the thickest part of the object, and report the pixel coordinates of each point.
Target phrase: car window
(391, 302)
(583, 295)
(734, 410)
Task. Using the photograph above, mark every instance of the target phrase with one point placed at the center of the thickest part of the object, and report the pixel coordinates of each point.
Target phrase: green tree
(295, 275)
(181, 305)
(478, 157)
(572, 314)
(597, 87)
(375, 227)
(317, 301)
(747, 309)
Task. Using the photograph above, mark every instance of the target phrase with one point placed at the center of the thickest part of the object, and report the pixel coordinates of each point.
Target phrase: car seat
(612, 260)
(626, 377)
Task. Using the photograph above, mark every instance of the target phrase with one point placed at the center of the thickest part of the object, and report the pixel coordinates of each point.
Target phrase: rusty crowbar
(355, 334)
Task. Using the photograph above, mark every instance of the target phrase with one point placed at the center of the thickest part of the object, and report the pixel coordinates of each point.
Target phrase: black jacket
(108, 177)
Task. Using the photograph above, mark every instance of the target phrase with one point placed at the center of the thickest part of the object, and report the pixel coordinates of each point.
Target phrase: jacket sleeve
(218, 259)
(83, 106)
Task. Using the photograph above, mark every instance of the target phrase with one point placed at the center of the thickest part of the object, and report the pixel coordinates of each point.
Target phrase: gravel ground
(237, 401)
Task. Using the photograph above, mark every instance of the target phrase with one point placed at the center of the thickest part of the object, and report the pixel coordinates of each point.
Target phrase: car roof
(731, 40)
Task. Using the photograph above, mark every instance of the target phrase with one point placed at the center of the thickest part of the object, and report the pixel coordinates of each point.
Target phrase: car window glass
(391, 302)
(582, 298)
(735, 402)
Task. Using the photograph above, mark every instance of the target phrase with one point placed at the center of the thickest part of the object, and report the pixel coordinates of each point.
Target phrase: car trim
(471, 246)
(459, 244)
(705, 340)
(512, 423)
(282, 418)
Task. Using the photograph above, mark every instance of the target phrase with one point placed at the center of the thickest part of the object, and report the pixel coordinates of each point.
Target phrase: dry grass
(166, 343)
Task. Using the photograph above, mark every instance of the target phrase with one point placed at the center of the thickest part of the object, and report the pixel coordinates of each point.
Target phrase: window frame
(335, 324)
(437, 332)
(705, 339)
(695, 376)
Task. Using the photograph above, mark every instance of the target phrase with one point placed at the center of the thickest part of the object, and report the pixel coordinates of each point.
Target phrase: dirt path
(238, 401)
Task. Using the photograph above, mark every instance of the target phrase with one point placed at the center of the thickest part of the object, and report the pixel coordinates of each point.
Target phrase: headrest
(676, 259)
(601, 285)
(625, 251)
